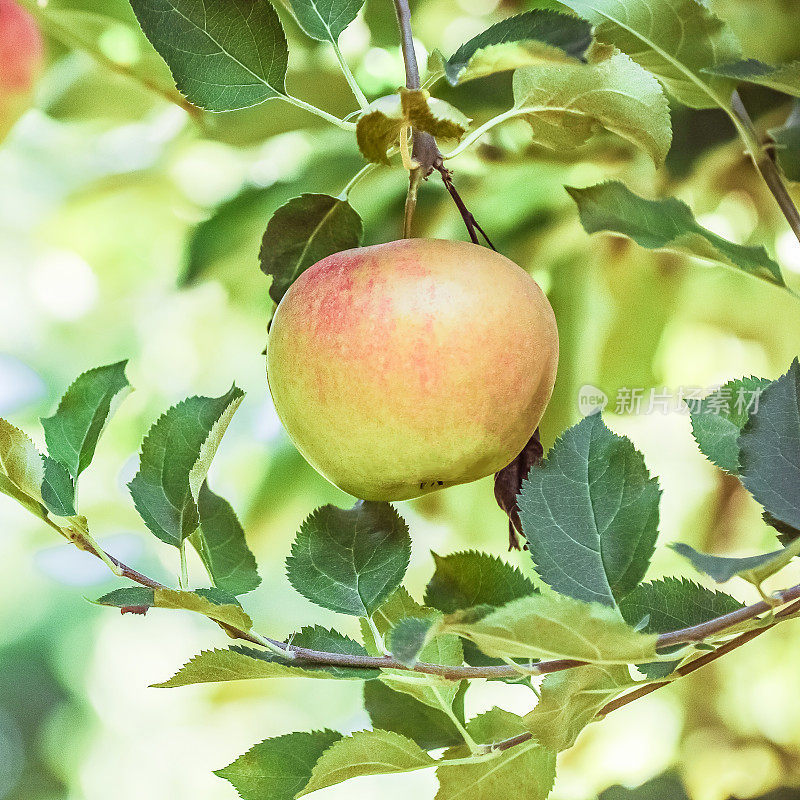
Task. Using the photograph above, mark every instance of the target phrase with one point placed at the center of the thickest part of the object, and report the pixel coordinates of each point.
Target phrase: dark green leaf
(58, 488)
(221, 544)
(409, 637)
(769, 448)
(590, 514)
(278, 768)
(754, 569)
(223, 54)
(663, 787)
(674, 39)
(375, 752)
(174, 462)
(470, 578)
(536, 35)
(302, 232)
(524, 772)
(396, 711)
(669, 605)
(666, 224)
(324, 20)
(350, 560)
(718, 419)
(565, 103)
(787, 144)
(318, 638)
(72, 432)
(783, 78)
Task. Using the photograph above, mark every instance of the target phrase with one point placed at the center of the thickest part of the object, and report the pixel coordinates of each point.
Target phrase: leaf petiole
(340, 123)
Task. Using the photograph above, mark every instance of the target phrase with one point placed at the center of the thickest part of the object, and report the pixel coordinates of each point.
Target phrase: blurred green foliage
(128, 230)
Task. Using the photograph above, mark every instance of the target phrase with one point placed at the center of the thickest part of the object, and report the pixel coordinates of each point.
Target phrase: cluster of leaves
(589, 512)
(591, 65)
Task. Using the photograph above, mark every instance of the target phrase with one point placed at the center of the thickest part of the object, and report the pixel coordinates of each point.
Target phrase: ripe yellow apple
(406, 367)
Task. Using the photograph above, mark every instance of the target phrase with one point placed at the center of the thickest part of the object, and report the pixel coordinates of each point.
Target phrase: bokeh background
(130, 230)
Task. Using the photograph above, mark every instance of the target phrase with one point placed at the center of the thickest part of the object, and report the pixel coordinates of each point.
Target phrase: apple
(406, 367)
(21, 59)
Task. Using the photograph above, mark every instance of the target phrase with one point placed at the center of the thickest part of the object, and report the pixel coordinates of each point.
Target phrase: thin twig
(473, 228)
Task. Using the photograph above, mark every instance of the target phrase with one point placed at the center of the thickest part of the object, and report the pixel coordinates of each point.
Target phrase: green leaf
(21, 469)
(769, 448)
(674, 39)
(73, 431)
(302, 232)
(223, 54)
(398, 606)
(58, 488)
(590, 514)
(783, 78)
(278, 768)
(787, 144)
(174, 462)
(570, 701)
(565, 103)
(668, 225)
(350, 560)
(394, 711)
(324, 20)
(366, 753)
(671, 604)
(524, 772)
(754, 569)
(246, 663)
(517, 41)
(471, 578)
(409, 637)
(212, 603)
(221, 544)
(379, 128)
(667, 786)
(718, 419)
(555, 626)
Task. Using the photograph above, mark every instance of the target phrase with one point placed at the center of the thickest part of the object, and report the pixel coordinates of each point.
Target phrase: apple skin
(21, 60)
(406, 367)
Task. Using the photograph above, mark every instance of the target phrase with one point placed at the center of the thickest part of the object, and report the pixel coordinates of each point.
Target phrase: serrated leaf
(590, 514)
(471, 578)
(718, 419)
(565, 104)
(769, 448)
(786, 145)
(247, 663)
(223, 54)
(525, 771)
(221, 544)
(58, 488)
(174, 462)
(555, 626)
(394, 711)
(302, 232)
(21, 469)
(83, 411)
(324, 20)
(666, 224)
(674, 39)
(366, 753)
(671, 604)
(278, 768)
(409, 637)
(212, 603)
(783, 78)
(350, 560)
(530, 37)
(571, 699)
(379, 128)
(754, 569)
